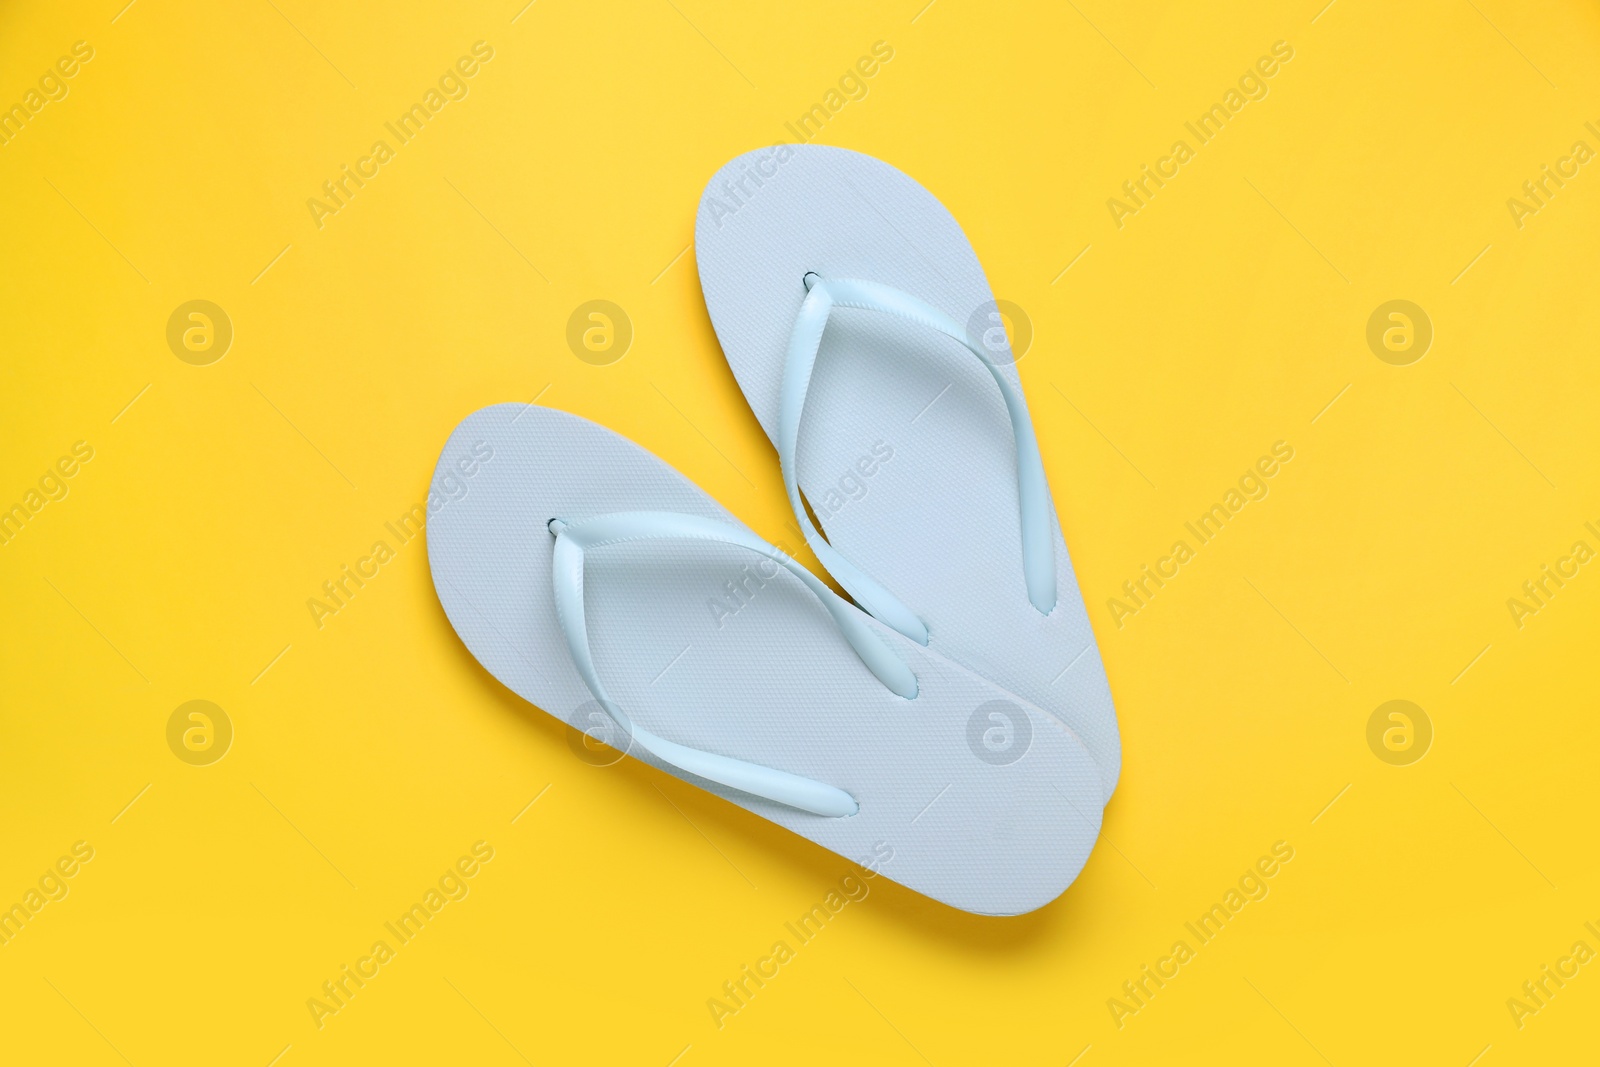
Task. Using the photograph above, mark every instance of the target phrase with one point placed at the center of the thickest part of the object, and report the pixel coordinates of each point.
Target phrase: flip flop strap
(574, 538)
(1038, 551)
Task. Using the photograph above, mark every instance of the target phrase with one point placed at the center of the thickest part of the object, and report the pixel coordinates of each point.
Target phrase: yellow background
(1226, 315)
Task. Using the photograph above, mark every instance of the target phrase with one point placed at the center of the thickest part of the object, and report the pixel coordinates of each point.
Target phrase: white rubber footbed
(773, 683)
(936, 523)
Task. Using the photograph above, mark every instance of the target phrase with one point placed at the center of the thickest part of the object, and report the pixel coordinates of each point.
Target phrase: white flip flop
(589, 577)
(860, 326)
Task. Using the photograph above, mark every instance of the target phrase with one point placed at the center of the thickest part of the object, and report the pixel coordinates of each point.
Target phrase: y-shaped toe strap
(1038, 552)
(573, 538)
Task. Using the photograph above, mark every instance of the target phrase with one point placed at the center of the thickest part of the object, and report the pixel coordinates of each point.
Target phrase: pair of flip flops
(952, 729)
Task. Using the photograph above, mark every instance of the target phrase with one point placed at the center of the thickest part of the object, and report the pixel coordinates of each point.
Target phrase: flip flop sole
(985, 802)
(905, 452)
